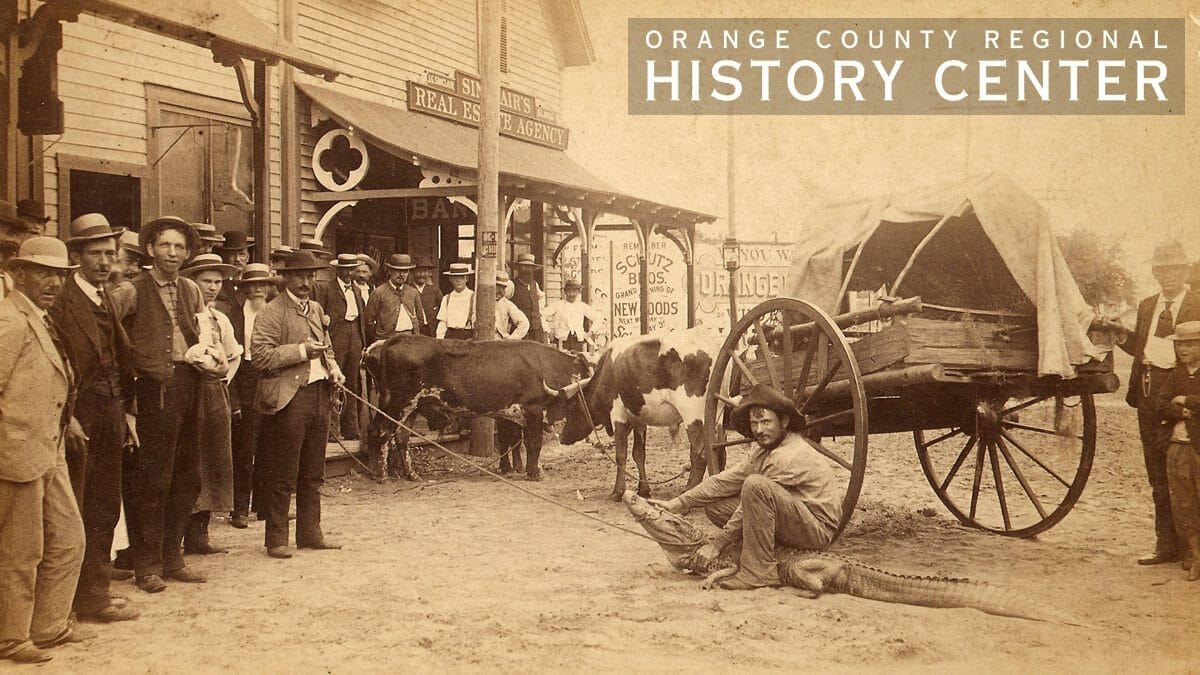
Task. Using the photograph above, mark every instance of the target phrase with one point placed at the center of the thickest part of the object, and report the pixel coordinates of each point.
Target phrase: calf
(655, 380)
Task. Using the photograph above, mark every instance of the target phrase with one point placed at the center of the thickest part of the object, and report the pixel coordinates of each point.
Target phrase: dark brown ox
(655, 380)
(482, 377)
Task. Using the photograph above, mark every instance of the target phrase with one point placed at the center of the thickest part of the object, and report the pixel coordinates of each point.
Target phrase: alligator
(811, 573)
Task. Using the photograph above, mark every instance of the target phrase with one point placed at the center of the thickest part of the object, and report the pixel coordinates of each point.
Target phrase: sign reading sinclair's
(457, 100)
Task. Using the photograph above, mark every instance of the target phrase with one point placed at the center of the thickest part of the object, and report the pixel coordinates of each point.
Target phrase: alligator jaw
(678, 538)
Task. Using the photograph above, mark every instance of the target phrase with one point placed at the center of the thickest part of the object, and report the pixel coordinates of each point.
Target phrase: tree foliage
(1098, 265)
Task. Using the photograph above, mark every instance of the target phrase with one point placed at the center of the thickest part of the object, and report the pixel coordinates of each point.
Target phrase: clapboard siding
(104, 68)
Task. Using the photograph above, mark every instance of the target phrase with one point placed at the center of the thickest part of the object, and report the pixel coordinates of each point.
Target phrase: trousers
(293, 461)
(165, 478)
(770, 515)
(1156, 436)
(1183, 474)
(245, 433)
(41, 549)
(99, 497)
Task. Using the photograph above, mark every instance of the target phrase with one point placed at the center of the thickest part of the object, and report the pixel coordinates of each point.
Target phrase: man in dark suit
(1153, 358)
(344, 304)
(234, 249)
(291, 347)
(255, 284)
(98, 348)
(431, 295)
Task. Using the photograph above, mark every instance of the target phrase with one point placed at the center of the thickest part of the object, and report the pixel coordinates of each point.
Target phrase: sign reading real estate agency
(457, 99)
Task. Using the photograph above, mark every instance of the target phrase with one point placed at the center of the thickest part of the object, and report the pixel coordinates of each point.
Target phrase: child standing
(1179, 403)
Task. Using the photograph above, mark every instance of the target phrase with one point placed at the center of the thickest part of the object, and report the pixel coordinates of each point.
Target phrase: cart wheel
(1018, 466)
(796, 348)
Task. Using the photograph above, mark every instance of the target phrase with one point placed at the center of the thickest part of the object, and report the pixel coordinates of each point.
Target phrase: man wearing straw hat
(346, 308)
(41, 533)
(217, 355)
(291, 348)
(208, 237)
(98, 348)
(511, 323)
(456, 315)
(164, 478)
(1179, 403)
(528, 296)
(1153, 359)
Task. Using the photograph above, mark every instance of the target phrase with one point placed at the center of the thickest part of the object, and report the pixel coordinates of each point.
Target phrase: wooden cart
(1004, 448)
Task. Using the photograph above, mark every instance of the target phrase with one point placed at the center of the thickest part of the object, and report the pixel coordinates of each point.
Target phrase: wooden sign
(463, 110)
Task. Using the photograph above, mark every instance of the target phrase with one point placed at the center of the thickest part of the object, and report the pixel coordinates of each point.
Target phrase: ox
(482, 377)
(655, 380)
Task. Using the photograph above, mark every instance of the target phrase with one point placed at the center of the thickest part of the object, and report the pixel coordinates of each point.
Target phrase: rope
(485, 470)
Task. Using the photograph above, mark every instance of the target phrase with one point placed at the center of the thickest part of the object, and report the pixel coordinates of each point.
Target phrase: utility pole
(488, 207)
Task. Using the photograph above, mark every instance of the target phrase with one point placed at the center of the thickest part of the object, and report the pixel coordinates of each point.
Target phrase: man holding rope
(783, 492)
(291, 347)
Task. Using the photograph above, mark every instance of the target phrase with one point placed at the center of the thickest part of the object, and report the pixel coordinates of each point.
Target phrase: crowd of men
(162, 373)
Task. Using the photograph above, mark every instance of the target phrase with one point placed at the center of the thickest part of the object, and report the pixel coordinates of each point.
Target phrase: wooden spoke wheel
(1017, 466)
(796, 348)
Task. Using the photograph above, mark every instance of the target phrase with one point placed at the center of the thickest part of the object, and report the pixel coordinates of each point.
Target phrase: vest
(109, 377)
(150, 327)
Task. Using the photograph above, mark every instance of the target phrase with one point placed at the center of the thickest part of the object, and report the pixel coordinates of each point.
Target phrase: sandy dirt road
(472, 575)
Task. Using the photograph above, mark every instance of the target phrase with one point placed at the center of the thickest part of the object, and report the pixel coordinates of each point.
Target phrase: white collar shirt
(1159, 351)
(89, 291)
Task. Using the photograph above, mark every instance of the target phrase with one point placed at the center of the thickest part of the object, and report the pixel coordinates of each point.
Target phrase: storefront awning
(526, 170)
(212, 24)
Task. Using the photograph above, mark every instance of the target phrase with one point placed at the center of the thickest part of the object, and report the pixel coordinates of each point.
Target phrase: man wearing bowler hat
(782, 493)
(13, 231)
(1153, 359)
(98, 348)
(163, 481)
(431, 295)
(234, 249)
(394, 307)
(346, 308)
(32, 213)
(41, 533)
(528, 296)
(291, 348)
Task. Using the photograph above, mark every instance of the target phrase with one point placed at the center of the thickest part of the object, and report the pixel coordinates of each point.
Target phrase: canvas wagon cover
(995, 252)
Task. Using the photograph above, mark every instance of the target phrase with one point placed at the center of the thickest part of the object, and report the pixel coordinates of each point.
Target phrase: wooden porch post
(261, 228)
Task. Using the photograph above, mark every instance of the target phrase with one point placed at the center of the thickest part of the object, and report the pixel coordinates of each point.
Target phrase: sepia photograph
(535, 336)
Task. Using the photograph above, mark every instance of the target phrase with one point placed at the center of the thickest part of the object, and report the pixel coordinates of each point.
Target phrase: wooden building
(345, 120)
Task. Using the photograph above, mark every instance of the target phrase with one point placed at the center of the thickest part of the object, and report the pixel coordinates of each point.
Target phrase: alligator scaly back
(821, 572)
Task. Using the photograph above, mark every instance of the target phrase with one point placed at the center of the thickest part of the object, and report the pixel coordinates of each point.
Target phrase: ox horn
(550, 391)
(575, 387)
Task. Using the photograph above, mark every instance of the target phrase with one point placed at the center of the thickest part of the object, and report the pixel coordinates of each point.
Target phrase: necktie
(1166, 321)
(350, 293)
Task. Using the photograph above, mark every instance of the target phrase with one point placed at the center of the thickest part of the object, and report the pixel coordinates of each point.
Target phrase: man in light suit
(1153, 359)
(41, 532)
(344, 304)
(291, 348)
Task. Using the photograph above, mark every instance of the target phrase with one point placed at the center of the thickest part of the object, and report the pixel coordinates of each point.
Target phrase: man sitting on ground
(783, 492)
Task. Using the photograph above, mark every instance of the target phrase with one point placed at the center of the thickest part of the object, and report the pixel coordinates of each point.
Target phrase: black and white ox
(649, 380)
(480, 377)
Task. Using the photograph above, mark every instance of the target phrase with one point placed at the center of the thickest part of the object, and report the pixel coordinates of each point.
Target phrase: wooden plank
(970, 345)
(873, 352)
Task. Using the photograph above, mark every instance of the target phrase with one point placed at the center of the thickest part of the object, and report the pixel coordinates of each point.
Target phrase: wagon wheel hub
(987, 419)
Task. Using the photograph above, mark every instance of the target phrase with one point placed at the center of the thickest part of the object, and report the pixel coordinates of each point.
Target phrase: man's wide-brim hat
(1188, 331)
(235, 240)
(315, 246)
(208, 232)
(129, 241)
(762, 396)
(1169, 254)
(300, 261)
(458, 269)
(91, 227)
(208, 261)
(525, 259)
(150, 230)
(44, 252)
(33, 210)
(400, 261)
